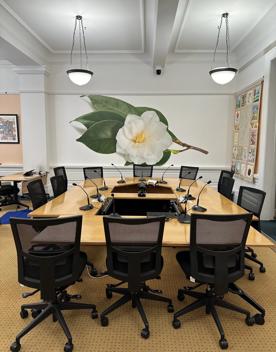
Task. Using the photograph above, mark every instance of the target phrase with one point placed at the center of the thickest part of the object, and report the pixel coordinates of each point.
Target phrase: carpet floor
(269, 228)
(198, 332)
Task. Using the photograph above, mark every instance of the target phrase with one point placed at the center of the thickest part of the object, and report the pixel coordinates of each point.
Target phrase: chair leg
(197, 295)
(75, 305)
(262, 268)
(195, 305)
(228, 305)
(123, 300)
(37, 306)
(251, 275)
(154, 297)
(63, 324)
(251, 250)
(145, 331)
(223, 342)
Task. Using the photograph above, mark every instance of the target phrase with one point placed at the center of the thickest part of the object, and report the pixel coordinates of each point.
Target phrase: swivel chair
(37, 193)
(224, 173)
(142, 171)
(60, 171)
(58, 185)
(226, 187)
(188, 172)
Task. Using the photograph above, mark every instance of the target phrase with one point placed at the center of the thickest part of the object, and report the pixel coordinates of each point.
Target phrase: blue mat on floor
(23, 214)
(269, 228)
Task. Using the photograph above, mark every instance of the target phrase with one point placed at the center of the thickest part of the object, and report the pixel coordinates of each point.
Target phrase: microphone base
(86, 207)
(103, 188)
(162, 182)
(199, 208)
(142, 179)
(94, 196)
(190, 197)
(121, 181)
(184, 219)
(180, 189)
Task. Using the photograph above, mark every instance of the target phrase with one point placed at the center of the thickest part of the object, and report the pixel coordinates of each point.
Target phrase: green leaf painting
(117, 126)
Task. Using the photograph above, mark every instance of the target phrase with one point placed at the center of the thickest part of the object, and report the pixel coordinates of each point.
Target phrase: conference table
(175, 233)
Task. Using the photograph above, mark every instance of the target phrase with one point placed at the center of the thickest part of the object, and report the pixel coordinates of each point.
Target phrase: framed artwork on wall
(9, 132)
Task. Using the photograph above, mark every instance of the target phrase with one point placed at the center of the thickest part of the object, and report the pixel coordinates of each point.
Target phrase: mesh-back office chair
(216, 258)
(134, 256)
(188, 172)
(142, 171)
(58, 185)
(224, 173)
(60, 171)
(37, 193)
(93, 172)
(252, 199)
(226, 187)
(49, 260)
(8, 194)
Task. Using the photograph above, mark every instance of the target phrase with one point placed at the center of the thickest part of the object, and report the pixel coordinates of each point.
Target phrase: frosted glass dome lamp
(79, 76)
(225, 74)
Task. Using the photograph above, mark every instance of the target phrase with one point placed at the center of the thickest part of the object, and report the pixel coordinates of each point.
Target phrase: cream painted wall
(11, 153)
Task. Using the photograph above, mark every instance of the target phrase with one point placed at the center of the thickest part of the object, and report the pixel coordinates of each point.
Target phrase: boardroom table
(176, 234)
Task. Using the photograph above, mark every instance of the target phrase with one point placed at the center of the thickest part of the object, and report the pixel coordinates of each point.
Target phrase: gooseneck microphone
(122, 180)
(162, 181)
(88, 206)
(188, 195)
(179, 188)
(113, 207)
(104, 186)
(97, 196)
(197, 207)
(142, 178)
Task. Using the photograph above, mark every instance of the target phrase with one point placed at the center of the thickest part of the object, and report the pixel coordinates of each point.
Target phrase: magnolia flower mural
(140, 135)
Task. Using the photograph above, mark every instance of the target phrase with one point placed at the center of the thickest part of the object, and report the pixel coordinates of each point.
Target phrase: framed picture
(9, 133)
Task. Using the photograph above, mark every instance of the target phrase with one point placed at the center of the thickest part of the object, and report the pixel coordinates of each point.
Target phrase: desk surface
(175, 233)
(19, 177)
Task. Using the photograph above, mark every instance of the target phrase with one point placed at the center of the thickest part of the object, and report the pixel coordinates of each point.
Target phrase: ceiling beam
(165, 18)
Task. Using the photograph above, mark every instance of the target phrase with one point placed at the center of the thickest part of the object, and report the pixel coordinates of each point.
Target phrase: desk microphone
(188, 195)
(142, 178)
(88, 206)
(162, 181)
(113, 207)
(121, 179)
(179, 188)
(97, 196)
(197, 207)
(104, 186)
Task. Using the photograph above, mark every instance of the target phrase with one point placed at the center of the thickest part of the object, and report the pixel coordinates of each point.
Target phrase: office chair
(142, 171)
(8, 194)
(60, 171)
(37, 193)
(224, 173)
(216, 258)
(49, 260)
(184, 172)
(58, 185)
(134, 256)
(226, 187)
(93, 172)
(252, 200)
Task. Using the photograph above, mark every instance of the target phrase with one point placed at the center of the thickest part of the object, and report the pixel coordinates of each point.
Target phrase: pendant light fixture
(80, 75)
(225, 74)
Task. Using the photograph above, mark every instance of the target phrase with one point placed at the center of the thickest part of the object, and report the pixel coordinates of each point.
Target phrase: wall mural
(141, 135)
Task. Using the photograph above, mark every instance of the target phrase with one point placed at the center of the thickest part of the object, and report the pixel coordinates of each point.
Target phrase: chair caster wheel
(93, 272)
(170, 308)
(15, 347)
(180, 295)
(108, 293)
(259, 319)
(104, 321)
(223, 344)
(94, 314)
(249, 321)
(68, 347)
(35, 312)
(24, 313)
(145, 333)
(251, 276)
(262, 269)
(176, 323)
(253, 255)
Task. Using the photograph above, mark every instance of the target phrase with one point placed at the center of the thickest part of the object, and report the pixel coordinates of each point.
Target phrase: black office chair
(188, 172)
(60, 171)
(142, 171)
(49, 260)
(134, 256)
(58, 185)
(37, 193)
(8, 194)
(224, 173)
(216, 258)
(93, 172)
(226, 187)
(252, 200)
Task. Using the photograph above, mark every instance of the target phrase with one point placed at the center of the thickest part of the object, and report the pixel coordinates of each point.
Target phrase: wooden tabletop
(175, 233)
(19, 177)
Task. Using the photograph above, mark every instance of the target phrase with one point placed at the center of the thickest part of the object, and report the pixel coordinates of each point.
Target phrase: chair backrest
(58, 185)
(134, 248)
(60, 171)
(93, 172)
(142, 170)
(226, 187)
(224, 173)
(184, 172)
(37, 193)
(217, 245)
(251, 199)
(47, 252)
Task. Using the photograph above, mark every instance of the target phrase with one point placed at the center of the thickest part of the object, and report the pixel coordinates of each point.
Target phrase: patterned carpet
(197, 334)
